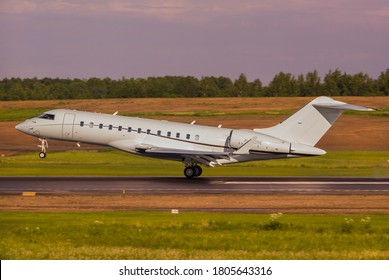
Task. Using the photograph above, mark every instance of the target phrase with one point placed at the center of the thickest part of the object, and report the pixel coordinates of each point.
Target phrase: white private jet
(189, 143)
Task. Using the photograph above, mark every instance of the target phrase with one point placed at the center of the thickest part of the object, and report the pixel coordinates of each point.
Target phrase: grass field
(116, 163)
(160, 235)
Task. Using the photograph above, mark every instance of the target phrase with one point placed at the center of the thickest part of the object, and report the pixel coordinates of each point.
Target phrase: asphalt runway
(202, 185)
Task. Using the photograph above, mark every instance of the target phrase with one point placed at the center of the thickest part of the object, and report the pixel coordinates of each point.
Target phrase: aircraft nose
(21, 127)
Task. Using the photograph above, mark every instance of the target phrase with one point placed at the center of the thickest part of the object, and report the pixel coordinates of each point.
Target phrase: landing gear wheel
(197, 170)
(44, 145)
(193, 171)
(189, 172)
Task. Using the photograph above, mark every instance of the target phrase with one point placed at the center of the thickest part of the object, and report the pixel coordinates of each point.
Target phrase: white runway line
(306, 183)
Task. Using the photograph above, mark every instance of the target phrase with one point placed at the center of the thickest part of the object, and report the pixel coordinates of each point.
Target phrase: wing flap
(180, 152)
(207, 158)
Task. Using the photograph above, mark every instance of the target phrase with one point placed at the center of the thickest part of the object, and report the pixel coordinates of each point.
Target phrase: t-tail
(308, 125)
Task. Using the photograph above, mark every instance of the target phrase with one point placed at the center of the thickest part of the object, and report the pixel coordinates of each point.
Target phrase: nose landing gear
(193, 171)
(44, 146)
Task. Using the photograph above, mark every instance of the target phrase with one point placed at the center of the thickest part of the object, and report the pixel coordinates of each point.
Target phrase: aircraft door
(68, 125)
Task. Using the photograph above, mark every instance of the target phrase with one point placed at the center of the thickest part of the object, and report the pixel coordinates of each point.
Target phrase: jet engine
(262, 143)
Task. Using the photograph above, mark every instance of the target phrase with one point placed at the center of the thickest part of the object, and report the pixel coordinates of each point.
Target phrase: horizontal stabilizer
(343, 106)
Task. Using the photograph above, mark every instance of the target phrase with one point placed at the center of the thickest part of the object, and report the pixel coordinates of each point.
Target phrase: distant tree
(209, 87)
(361, 84)
(303, 89)
(256, 88)
(383, 83)
(97, 88)
(283, 84)
(4, 89)
(58, 91)
(241, 86)
(225, 86)
(187, 87)
(158, 87)
(39, 91)
(332, 82)
(17, 91)
(138, 87)
(78, 89)
(313, 85)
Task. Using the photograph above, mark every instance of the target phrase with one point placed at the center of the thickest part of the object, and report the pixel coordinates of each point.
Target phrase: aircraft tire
(197, 170)
(189, 172)
(42, 155)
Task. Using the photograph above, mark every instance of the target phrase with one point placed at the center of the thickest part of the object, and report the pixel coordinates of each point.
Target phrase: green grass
(116, 163)
(159, 235)
(21, 114)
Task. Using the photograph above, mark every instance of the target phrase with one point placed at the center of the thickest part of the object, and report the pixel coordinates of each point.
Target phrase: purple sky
(141, 38)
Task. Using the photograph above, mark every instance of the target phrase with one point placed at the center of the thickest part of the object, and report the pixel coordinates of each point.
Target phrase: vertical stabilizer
(310, 123)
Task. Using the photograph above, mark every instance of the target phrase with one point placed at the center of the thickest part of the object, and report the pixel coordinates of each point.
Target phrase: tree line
(335, 83)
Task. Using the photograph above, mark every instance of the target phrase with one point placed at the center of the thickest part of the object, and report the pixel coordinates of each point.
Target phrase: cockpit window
(47, 116)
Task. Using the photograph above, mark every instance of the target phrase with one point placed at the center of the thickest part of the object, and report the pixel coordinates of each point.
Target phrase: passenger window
(120, 128)
(91, 124)
(129, 129)
(159, 133)
(177, 135)
(139, 130)
(101, 126)
(188, 136)
(148, 131)
(81, 123)
(169, 134)
(110, 127)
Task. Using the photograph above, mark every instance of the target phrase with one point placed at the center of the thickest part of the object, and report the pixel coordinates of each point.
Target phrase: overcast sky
(142, 38)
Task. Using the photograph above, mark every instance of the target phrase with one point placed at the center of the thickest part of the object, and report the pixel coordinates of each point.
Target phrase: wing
(208, 158)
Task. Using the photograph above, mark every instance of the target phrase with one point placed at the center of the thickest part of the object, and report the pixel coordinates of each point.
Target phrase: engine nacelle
(239, 137)
(274, 146)
(263, 143)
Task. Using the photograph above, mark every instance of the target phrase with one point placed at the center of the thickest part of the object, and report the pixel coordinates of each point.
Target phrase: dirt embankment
(313, 204)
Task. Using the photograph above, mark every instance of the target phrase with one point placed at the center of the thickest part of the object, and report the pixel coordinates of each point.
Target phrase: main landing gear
(44, 146)
(193, 171)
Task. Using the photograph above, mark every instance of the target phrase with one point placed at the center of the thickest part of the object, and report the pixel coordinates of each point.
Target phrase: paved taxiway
(203, 185)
